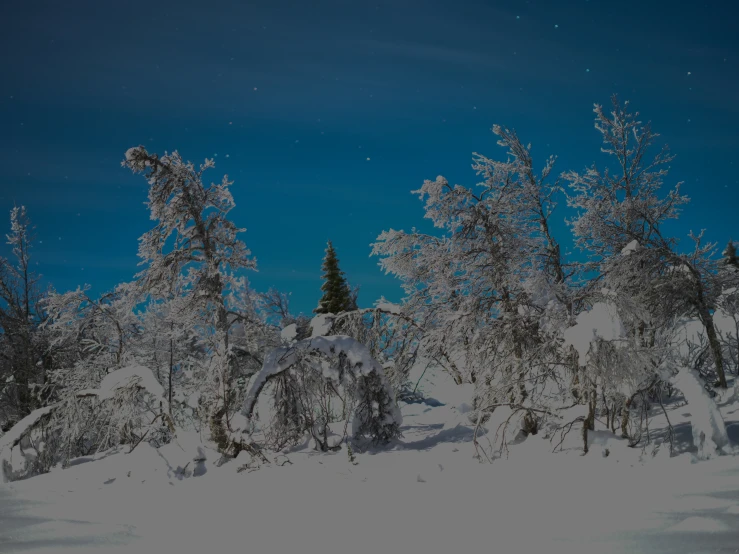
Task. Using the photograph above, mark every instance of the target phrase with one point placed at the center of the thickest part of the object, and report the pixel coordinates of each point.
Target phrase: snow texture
(427, 494)
(289, 333)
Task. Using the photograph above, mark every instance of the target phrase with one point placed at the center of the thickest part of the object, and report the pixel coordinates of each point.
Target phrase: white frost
(601, 322)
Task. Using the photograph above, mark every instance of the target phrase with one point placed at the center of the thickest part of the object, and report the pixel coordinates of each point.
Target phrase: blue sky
(326, 114)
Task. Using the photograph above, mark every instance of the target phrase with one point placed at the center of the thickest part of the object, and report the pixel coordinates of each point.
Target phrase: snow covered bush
(311, 374)
(122, 409)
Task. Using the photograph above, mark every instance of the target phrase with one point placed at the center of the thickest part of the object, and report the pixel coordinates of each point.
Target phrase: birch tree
(193, 236)
(625, 206)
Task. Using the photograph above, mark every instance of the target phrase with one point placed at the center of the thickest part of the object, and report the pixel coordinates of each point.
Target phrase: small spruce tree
(730, 257)
(337, 296)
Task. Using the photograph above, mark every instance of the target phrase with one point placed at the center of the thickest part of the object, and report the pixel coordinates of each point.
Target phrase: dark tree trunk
(715, 345)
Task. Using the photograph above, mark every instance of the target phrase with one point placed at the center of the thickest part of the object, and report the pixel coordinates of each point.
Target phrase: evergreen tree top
(730, 257)
(336, 294)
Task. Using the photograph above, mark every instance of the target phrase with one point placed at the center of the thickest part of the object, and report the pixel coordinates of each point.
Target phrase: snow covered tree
(622, 210)
(23, 363)
(490, 294)
(194, 237)
(309, 374)
(337, 297)
(97, 335)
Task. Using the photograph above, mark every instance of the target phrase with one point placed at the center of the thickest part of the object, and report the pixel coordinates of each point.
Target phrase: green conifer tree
(730, 257)
(336, 293)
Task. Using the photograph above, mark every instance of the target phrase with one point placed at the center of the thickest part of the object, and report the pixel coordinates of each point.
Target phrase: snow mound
(125, 377)
(709, 431)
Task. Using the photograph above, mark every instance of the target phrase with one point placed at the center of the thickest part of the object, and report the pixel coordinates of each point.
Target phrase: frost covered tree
(23, 345)
(94, 335)
(322, 380)
(337, 296)
(167, 343)
(490, 293)
(194, 237)
(623, 210)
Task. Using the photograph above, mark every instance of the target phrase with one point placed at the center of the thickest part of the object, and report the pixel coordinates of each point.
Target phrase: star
(556, 26)
(587, 71)
(368, 159)
(688, 72)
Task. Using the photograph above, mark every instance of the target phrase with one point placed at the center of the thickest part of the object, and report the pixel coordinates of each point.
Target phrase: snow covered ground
(425, 494)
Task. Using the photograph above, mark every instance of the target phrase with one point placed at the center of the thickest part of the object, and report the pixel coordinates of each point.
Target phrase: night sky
(326, 114)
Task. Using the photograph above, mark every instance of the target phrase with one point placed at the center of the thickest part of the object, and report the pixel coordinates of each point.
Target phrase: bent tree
(309, 374)
(193, 239)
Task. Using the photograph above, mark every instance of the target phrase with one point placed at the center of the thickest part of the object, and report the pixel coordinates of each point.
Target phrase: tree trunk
(718, 360)
(625, 418)
(171, 369)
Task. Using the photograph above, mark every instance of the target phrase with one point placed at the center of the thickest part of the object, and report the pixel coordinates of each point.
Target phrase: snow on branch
(361, 364)
(116, 380)
(132, 375)
(600, 322)
(10, 439)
